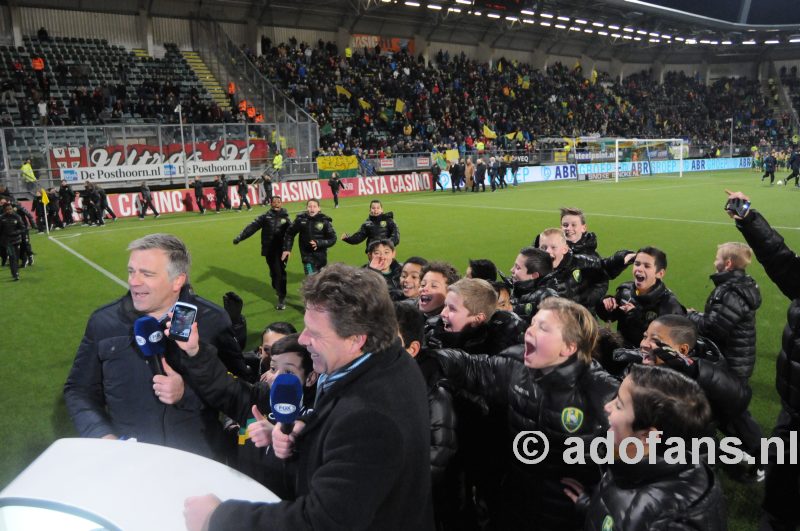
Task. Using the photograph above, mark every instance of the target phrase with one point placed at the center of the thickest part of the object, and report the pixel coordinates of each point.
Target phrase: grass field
(43, 316)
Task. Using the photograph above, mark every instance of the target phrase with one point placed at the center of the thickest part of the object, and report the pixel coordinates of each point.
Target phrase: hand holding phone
(738, 206)
(183, 316)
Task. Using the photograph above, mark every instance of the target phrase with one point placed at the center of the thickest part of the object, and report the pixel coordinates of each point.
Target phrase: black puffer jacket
(659, 496)
(586, 245)
(503, 330)
(782, 265)
(579, 278)
(444, 442)
(380, 227)
(729, 319)
(727, 394)
(632, 325)
(318, 228)
(11, 229)
(566, 402)
(527, 295)
(273, 225)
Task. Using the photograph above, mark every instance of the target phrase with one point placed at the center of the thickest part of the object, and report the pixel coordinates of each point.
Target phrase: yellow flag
(343, 91)
(488, 133)
(594, 76)
(348, 52)
(510, 136)
(499, 66)
(399, 105)
(519, 80)
(519, 135)
(364, 104)
(45, 199)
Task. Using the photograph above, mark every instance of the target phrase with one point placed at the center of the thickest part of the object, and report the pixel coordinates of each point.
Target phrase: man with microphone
(118, 389)
(361, 459)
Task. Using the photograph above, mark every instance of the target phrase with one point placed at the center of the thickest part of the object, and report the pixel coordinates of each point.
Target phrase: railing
(53, 150)
(229, 63)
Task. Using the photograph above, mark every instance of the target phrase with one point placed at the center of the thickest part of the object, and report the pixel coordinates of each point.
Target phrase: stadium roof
(689, 31)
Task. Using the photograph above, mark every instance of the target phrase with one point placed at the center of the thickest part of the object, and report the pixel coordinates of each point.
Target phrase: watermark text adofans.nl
(532, 447)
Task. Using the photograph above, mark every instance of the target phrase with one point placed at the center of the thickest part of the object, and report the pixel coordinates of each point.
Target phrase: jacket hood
(741, 283)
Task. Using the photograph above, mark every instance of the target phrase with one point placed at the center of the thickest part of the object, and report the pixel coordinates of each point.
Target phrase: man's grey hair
(178, 257)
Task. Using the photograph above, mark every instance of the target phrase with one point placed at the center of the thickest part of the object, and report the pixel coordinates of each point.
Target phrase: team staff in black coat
(378, 226)
(25, 249)
(770, 164)
(659, 496)
(11, 229)
(146, 201)
(794, 164)
(316, 236)
(557, 390)
(242, 189)
(782, 487)
(363, 457)
(199, 196)
(67, 198)
(637, 303)
(221, 199)
(335, 184)
(103, 203)
(111, 391)
(273, 224)
(436, 175)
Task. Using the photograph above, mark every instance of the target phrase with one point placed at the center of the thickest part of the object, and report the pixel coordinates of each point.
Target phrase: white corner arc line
(102, 270)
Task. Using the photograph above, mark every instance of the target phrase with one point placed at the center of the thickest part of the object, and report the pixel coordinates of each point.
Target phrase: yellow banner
(451, 155)
(337, 163)
(488, 133)
(399, 105)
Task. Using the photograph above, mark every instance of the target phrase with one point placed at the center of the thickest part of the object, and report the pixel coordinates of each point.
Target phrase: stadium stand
(450, 99)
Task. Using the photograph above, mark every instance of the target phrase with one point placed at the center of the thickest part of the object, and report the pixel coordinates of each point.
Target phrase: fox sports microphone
(150, 339)
(286, 399)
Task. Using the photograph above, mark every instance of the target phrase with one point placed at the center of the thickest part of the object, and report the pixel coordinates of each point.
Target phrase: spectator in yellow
(26, 170)
(277, 164)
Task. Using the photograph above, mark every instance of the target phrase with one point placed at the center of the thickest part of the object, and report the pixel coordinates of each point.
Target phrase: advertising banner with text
(173, 201)
(143, 161)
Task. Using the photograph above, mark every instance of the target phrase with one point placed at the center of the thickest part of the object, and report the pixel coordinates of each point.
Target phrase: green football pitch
(82, 268)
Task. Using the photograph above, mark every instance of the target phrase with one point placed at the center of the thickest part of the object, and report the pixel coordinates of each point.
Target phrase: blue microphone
(151, 341)
(286, 400)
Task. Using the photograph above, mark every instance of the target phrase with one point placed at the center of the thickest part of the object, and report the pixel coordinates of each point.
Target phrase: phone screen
(182, 319)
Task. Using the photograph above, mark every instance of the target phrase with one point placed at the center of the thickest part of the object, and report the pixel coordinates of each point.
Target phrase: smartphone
(183, 315)
(738, 206)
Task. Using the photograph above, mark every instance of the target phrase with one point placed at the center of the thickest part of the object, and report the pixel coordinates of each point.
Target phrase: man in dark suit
(343, 478)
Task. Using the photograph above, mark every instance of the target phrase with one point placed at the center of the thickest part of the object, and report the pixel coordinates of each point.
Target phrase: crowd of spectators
(448, 100)
(74, 95)
(393, 103)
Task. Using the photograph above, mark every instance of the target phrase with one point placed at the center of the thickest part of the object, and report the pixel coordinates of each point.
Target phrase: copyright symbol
(531, 447)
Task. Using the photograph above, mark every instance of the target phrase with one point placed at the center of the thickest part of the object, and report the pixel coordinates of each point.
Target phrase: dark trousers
(336, 198)
(437, 182)
(147, 203)
(782, 484)
(770, 174)
(747, 430)
(12, 255)
(794, 175)
(277, 272)
(107, 209)
(66, 212)
(200, 199)
(244, 201)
